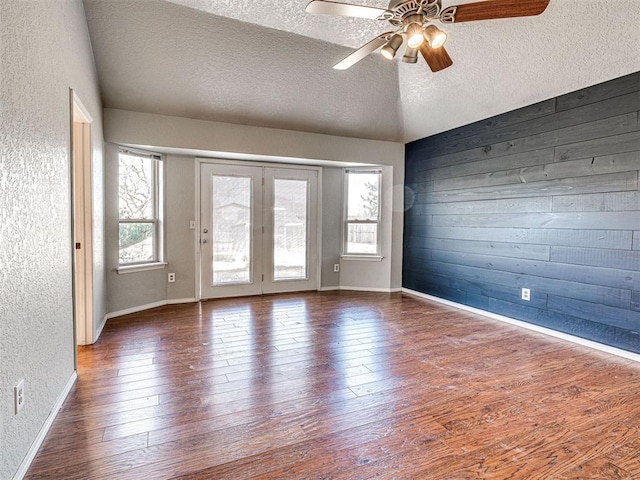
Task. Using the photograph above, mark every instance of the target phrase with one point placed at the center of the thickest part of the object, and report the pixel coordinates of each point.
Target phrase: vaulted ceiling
(269, 63)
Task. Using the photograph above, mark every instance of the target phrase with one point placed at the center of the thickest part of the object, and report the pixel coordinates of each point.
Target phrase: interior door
(258, 230)
(230, 230)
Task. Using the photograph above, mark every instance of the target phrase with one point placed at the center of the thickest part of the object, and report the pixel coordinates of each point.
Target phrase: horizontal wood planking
(616, 317)
(610, 277)
(599, 202)
(570, 220)
(615, 297)
(499, 249)
(582, 238)
(622, 259)
(519, 160)
(485, 219)
(586, 131)
(610, 145)
(563, 322)
(592, 112)
(510, 293)
(613, 182)
(622, 162)
(534, 204)
(537, 110)
(597, 93)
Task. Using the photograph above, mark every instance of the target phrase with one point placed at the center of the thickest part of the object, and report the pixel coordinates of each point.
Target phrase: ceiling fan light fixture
(434, 36)
(391, 48)
(415, 35)
(410, 55)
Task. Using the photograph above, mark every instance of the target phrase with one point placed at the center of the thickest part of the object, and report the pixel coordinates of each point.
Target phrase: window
(362, 213)
(140, 208)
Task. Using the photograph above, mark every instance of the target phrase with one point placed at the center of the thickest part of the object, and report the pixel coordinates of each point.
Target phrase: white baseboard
(371, 289)
(175, 301)
(530, 326)
(360, 289)
(148, 306)
(42, 434)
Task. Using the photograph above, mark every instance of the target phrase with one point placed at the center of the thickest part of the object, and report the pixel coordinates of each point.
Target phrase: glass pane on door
(231, 229)
(290, 209)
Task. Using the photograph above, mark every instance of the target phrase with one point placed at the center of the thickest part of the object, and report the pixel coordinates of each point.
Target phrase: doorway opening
(82, 220)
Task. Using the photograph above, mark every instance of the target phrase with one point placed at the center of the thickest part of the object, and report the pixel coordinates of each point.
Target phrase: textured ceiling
(268, 63)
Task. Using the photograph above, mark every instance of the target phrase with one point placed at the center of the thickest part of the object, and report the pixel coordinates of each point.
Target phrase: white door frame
(300, 166)
(82, 221)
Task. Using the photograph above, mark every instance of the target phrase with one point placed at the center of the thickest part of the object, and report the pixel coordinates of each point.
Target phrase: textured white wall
(45, 51)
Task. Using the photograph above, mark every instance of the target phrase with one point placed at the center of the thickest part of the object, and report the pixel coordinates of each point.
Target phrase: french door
(258, 230)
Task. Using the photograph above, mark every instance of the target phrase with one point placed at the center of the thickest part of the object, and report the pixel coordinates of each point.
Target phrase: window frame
(157, 214)
(346, 254)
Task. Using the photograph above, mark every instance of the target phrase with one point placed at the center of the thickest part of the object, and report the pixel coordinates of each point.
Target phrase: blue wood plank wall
(545, 197)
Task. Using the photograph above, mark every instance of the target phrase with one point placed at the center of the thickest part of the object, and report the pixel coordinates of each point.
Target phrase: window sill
(366, 258)
(140, 268)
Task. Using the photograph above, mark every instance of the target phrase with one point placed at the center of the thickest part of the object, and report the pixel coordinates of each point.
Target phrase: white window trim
(140, 267)
(364, 257)
(372, 257)
(158, 215)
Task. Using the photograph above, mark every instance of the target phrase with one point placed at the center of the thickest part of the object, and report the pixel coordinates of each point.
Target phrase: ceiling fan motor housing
(399, 12)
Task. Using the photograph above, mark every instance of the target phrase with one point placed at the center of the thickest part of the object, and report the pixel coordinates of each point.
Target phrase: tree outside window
(139, 209)
(362, 232)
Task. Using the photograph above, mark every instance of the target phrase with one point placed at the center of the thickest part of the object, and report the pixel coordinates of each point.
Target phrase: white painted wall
(332, 193)
(180, 239)
(188, 139)
(45, 52)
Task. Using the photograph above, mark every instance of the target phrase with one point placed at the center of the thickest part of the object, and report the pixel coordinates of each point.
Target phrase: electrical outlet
(18, 396)
(171, 277)
(336, 267)
(526, 294)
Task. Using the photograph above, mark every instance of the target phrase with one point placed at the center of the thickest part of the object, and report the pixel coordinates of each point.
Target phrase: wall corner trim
(42, 434)
(530, 326)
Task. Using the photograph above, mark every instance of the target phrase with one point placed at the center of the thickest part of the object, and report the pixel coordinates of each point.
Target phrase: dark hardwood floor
(340, 385)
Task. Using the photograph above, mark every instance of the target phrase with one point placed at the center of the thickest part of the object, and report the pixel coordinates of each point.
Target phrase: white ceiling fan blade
(363, 51)
(344, 9)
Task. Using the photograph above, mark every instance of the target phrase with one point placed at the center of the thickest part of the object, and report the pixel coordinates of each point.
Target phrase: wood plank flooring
(340, 385)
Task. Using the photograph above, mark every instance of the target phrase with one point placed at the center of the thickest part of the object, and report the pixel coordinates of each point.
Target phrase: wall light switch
(192, 224)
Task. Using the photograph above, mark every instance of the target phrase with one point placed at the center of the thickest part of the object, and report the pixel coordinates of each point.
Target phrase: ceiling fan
(413, 22)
